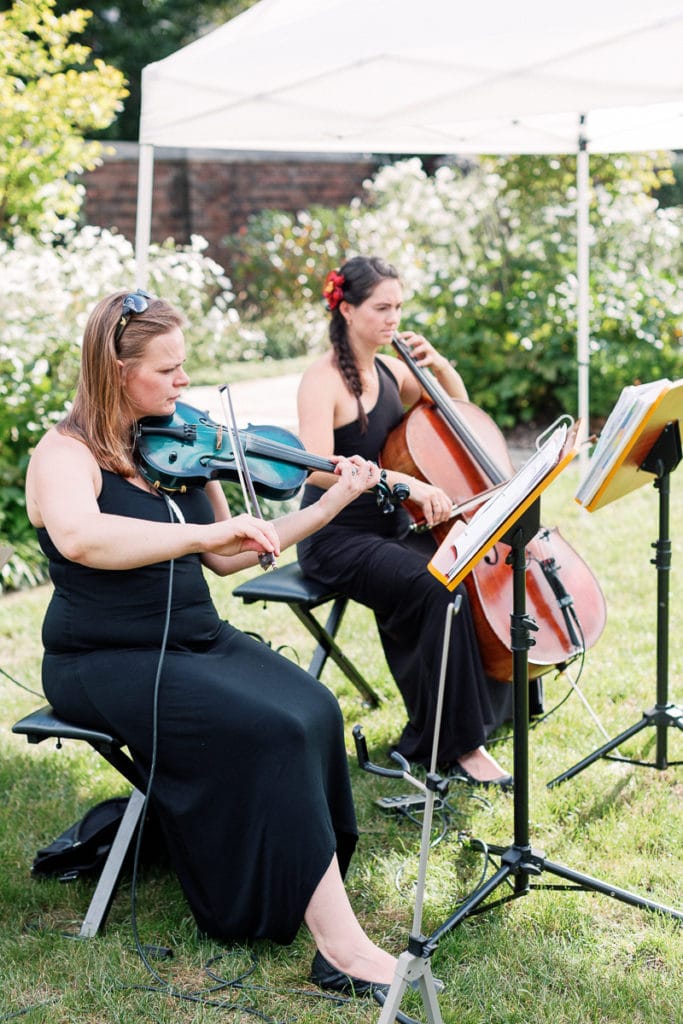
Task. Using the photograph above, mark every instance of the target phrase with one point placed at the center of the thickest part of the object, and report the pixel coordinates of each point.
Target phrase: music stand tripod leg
(413, 966)
(412, 969)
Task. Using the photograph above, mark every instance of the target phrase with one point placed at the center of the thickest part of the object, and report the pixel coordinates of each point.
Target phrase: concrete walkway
(269, 401)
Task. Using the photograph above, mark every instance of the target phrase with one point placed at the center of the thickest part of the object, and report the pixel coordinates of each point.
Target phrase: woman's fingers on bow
(441, 507)
(435, 503)
(252, 534)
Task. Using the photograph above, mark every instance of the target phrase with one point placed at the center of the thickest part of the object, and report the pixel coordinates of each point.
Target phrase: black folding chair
(44, 724)
(289, 586)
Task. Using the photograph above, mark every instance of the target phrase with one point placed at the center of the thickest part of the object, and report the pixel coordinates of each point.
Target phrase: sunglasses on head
(136, 302)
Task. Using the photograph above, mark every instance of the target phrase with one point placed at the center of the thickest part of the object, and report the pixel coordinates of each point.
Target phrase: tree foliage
(49, 103)
(130, 34)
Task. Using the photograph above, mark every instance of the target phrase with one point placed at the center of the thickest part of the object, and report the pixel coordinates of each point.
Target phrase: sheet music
(633, 405)
(493, 513)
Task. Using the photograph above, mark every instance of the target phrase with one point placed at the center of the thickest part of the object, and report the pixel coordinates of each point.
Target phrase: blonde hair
(101, 415)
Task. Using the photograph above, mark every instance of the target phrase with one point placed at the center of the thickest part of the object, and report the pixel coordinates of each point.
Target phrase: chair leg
(328, 647)
(111, 872)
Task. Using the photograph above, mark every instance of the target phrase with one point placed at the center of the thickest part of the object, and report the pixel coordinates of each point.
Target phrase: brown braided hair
(361, 276)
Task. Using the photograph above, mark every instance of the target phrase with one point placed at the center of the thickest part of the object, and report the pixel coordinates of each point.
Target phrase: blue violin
(188, 448)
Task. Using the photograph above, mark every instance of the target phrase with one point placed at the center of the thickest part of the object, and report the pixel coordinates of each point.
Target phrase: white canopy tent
(433, 77)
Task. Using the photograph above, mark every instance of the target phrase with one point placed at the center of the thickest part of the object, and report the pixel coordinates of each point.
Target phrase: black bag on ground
(83, 848)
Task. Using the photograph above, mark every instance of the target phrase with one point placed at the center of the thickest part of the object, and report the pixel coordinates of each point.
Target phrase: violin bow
(266, 558)
(457, 509)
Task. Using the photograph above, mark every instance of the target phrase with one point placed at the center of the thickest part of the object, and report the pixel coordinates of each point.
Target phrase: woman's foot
(477, 766)
(343, 946)
(370, 966)
(326, 976)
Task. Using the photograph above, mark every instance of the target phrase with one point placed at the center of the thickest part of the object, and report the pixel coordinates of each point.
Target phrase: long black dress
(371, 557)
(251, 783)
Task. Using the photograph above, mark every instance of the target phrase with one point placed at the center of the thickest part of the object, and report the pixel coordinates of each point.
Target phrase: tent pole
(583, 299)
(143, 217)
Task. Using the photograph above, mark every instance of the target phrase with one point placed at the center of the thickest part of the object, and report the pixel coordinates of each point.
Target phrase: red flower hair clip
(333, 289)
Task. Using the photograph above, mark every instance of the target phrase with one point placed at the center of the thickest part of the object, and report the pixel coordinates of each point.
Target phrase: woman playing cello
(349, 401)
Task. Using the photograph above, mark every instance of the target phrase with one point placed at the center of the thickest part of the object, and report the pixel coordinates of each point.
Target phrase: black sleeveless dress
(371, 557)
(251, 783)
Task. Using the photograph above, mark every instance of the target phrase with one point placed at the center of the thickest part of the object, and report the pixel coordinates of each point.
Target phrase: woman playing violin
(349, 400)
(251, 784)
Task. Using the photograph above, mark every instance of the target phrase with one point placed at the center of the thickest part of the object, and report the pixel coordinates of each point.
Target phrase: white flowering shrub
(487, 257)
(492, 281)
(47, 288)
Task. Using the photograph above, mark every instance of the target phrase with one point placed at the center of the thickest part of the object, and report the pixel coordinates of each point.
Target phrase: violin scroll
(389, 497)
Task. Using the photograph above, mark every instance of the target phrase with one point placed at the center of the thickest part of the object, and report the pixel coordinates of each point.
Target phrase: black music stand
(519, 859)
(663, 455)
(514, 518)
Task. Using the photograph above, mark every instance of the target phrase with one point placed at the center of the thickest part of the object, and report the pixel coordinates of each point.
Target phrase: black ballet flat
(459, 774)
(326, 976)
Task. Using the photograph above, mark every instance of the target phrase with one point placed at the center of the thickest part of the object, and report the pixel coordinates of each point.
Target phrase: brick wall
(213, 193)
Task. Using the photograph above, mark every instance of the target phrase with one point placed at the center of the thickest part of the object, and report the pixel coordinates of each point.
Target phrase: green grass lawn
(551, 956)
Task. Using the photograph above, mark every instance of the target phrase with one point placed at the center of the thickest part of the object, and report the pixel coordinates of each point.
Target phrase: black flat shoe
(459, 774)
(326, 976)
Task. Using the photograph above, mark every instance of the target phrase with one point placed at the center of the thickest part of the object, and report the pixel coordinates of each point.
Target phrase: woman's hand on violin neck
(354, 476)
(435, 504)
(424, 353)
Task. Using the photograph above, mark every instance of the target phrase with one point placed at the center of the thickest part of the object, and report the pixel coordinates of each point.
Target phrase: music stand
(512, 516)
(650, 453)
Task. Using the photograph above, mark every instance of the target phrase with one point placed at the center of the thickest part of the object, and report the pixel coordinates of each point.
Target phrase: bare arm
(425, 355)
(353, 476)
(62, 486)
(318, 398)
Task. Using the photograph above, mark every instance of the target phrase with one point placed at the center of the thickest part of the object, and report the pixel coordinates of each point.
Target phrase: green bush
(487, 255)
(278, 264)
(47, 289)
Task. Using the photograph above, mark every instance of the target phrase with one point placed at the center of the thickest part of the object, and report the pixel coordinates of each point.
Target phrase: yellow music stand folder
(638, 418)
(641, 443)
(466, 543)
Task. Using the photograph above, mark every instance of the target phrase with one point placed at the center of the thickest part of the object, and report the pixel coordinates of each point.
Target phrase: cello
(455, 445)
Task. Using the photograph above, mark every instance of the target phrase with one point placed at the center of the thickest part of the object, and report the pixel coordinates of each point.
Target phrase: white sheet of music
(501, 505)
(633, 404)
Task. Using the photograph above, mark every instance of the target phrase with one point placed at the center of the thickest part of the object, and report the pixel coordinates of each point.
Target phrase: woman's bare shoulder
(55, 440)
(57, 449)
(395, 365)
(321, 373)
